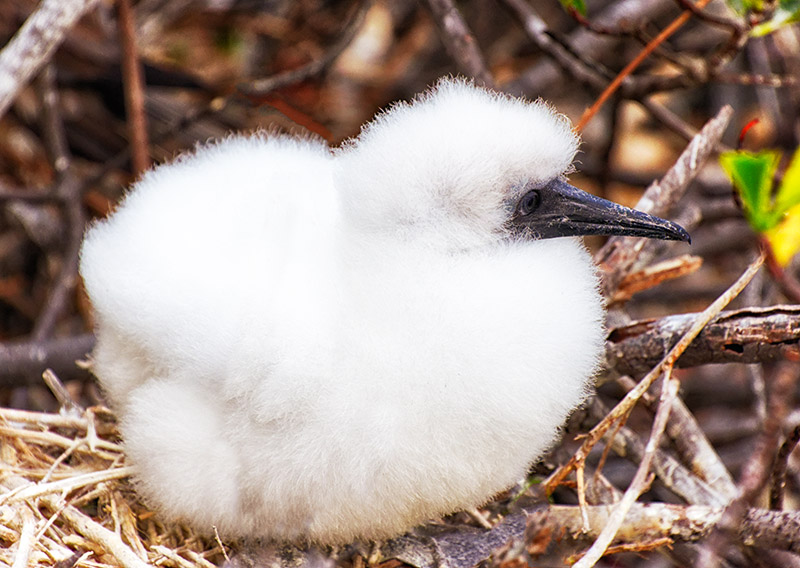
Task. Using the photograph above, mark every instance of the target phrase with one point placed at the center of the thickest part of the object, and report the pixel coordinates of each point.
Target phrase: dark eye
(529, 202)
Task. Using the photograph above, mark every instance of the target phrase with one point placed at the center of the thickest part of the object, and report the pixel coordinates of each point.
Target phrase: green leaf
(577, 5)
(752, 175)
(789, 191)
(786, 12)
(745, 6)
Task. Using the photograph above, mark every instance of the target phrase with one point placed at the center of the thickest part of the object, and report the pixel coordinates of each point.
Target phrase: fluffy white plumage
(314, 344)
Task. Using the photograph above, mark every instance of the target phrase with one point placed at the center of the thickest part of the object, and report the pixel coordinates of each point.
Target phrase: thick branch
(34, 43)
(750, 335)
(22, 363)
(555, 529)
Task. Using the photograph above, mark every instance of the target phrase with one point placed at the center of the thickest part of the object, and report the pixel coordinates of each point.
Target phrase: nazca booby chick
(315, 344)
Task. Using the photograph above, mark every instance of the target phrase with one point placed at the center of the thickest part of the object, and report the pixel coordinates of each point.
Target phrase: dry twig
(639, 484)
(620, 254)
(779, 469)
(262, 87)
(623, 408)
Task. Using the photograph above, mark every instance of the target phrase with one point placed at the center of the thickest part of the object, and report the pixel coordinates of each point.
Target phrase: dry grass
(66, 498)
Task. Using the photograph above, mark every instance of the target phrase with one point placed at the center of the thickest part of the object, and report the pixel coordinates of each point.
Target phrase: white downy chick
(320, 345)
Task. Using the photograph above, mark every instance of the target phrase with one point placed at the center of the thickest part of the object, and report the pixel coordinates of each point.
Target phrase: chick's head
(457, 158)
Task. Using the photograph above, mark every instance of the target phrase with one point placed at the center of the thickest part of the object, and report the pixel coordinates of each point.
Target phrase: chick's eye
(529, 202)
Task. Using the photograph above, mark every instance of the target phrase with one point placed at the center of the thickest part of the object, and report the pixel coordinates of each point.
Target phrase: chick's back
(181, 264)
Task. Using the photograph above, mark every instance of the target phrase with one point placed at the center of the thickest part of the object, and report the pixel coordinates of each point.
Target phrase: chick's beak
(560, 210)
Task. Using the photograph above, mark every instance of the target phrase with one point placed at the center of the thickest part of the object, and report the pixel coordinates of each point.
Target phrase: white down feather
(320, 345)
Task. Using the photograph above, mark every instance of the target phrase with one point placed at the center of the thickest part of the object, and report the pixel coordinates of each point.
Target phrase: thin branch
(655, 274)
(262, 87)
(639, 484)
(66, 485)
(50, 419)
(26, 539)
(635, 62)
(459, 41)
(96, 533)
(721, 21)
(536, 29)
(619, 255)
(29, 195)
(588, 71)
(53, 131)
(694, 450)
(755, 473)
(34, 43)
(134, 88)
(66, 402)
(675, 477)
(215, 106)
(68, 188)
(779, 469)
(755, 79)
(668, 118)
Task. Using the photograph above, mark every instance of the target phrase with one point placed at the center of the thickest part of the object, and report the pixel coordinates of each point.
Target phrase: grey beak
(561, 210)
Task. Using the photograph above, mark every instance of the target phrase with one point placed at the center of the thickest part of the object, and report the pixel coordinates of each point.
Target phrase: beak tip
(682, 234)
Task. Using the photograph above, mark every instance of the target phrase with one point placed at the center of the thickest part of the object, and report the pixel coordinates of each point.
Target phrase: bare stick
(779, 469)
(134, 88)
(653, 275)
(34, 44)
(697, 452)
(43, 419)
(578, 66)
(536, 29)
(459, 41)
(68, 189)
(755, 473)
(64, 398)
(34, 490)
(688, 484)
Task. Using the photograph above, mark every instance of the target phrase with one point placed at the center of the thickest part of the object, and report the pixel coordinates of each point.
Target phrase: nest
(66, 498)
